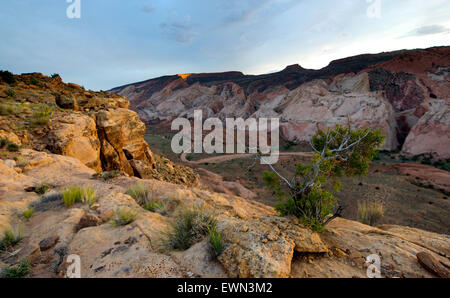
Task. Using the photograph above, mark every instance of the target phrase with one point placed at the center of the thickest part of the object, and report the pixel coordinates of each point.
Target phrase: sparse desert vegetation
(190, 227)
(124, 216)
(370, 213)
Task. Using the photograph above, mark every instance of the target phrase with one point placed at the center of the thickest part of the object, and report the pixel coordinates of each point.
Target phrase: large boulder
(123, 148)
(75, 135)
(431, 134)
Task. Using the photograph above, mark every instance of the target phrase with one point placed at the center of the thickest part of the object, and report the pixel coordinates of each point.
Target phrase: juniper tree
(338, 152)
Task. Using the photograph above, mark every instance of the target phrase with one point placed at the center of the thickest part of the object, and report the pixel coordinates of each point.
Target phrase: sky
(116, 42)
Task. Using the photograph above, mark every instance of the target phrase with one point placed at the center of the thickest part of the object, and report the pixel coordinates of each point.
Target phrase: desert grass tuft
(89, 196)
(72, 195)
(188, 228)
(124, 216)
(140, 193)
(27, 214)
(10, 238)
(370, 213)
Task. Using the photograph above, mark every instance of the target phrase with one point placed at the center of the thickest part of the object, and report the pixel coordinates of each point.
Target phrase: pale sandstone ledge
(259, 243)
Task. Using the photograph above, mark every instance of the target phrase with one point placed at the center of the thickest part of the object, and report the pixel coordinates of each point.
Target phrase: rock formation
(391, 91)
(95, 127)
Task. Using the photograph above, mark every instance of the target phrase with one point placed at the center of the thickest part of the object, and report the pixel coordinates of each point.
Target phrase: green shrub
(42, 188)
(188, 228)
(370, 213)
(11, 93)
(10, 239)
(42, 117)
(89, 196)
(22, 269)
(11, 147)
(155, 206)
(35, 82)
(108, 175)
(124, 216)
(72, 195)
(6, 109)
(140, 193)
(27, 214)
(338, 152)
(55, 75)
(3, 142)
(215, 240)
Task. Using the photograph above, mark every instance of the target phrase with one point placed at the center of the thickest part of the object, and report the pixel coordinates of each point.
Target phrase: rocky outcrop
(312, 106)
(75, 135)
(431, 134)
(257, 242)
(10, 136)
(121, 135)
(95, 127)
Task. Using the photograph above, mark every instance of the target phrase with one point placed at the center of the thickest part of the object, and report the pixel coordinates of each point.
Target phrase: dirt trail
(222, 158)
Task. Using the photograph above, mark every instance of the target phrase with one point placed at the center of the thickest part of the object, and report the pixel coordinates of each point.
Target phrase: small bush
(188, 228)
(11, 147)
(72, 195)
(10, 239)
(370, 213)
(155, 206)
(27, 214)
(41, 117)
(89, 196)
(42, 188)
(35, 82)
(21, 161)
(11, 93)
(7, 77)
(22, 269)
(139, 193)
(215, 240)
(124, 216)
(55, 75)
(3, 142)
(108, 175)
(6, 109)
(48, 202)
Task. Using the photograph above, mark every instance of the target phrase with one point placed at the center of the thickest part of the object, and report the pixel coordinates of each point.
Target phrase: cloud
(239, 13)
(427, 30)
(148, 8)
(180, 31)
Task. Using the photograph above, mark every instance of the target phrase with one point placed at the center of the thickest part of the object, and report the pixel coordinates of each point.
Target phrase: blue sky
(117, 42)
